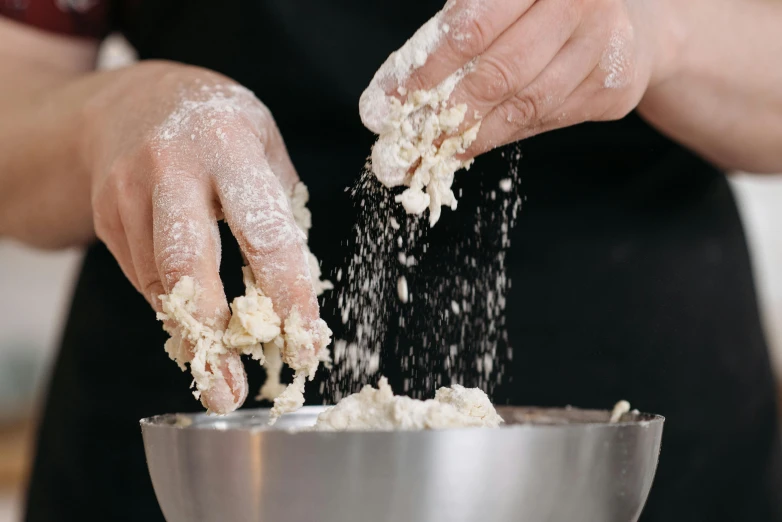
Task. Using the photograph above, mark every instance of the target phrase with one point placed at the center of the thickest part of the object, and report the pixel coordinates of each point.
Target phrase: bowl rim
(172, 421)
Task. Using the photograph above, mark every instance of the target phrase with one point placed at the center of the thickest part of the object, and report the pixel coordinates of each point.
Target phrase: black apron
(629, 268)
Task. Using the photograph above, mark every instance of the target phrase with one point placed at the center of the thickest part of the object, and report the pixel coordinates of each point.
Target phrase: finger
(547, 103)
(279, 160)
(473, 27)
(453, 37)
(186, 244)
(120, 249)
(257, 208)
(516, 59)
(135, 213)
(110, 230)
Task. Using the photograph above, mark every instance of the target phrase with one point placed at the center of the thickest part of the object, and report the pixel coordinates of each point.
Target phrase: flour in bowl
(378, 409)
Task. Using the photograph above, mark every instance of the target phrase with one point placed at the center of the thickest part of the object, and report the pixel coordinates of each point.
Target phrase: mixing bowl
(552, 465)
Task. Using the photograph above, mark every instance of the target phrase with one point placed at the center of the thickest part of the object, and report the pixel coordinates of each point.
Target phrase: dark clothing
(629, 268)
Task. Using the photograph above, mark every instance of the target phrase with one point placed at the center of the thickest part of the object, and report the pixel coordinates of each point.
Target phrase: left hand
(542, 65)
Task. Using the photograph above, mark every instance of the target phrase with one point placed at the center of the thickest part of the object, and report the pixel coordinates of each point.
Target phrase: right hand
(172, 150)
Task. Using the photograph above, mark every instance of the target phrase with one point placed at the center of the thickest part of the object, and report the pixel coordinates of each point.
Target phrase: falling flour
(254, 329)
(380, 410)
(366, 282)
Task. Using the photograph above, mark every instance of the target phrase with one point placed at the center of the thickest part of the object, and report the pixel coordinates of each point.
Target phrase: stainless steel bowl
(563, 465)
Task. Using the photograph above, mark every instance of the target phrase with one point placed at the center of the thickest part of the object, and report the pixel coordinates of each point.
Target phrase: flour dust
(428, 302)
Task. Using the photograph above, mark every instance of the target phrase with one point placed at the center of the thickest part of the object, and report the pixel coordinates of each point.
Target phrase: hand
(173, 149)
(537, 65)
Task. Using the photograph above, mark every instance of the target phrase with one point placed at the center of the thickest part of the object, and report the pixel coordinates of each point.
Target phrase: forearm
(44, 187)
(723, 97)
(44, 192)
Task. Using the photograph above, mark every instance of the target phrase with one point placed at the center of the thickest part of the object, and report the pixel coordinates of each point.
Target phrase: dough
(409, 129)
(379, 409)
(619, 410)
(408, 139)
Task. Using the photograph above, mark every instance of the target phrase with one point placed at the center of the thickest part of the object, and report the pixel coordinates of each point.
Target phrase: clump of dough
(379, 409)
(254, 329)
(253, 320)
(407, 151)
(272, 387)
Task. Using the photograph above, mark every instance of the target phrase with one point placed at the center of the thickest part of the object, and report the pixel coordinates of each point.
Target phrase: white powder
(378, 409)
(506, 185)
(464, 315)
(466, 347)
(368, 290)
(355, 356)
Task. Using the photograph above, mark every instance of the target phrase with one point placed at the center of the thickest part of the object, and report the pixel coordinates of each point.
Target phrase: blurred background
(35, 290)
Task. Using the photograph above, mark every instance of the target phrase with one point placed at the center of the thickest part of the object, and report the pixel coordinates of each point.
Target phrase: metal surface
(543, 465)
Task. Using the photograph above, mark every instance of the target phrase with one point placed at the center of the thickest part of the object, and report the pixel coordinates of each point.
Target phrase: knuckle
(175, 262)
(169, 176)
(470, 38)
(266, 229)
(492, 81)
(152, 290)
(273, 238)
(525, 109)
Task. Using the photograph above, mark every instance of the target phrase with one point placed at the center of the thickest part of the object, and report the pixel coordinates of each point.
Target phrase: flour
(402, 290)
(254, 329)
(461, 313)
(457, 311)
(367, 281)
(379, 409)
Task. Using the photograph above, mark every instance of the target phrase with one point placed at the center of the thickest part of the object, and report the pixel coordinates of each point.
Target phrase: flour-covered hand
(532, 66)
(172, 153)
